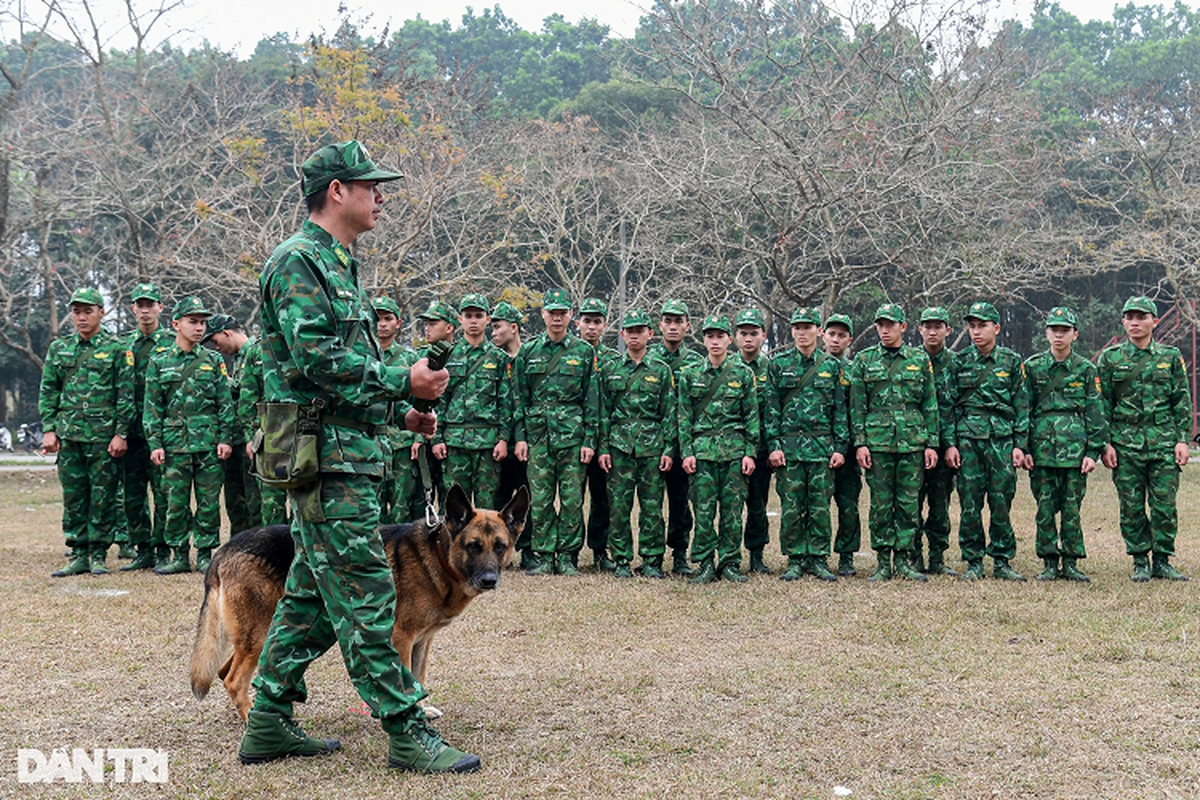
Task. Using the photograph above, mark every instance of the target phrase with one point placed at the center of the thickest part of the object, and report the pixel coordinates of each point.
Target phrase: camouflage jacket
(807, 422)
(557, 397)
(726, 429)
(941, 374)
(250, 389)
(988, 396)
(844, 369)
(398, 436)
(683, 356)
(759, 367)
(893, 401)
(236, 370)
(188, 407)
(1066, 418)
(87, 388)
(637, 408)
(143, 347)
(1145, 395)
(476, 411)
(318, 339)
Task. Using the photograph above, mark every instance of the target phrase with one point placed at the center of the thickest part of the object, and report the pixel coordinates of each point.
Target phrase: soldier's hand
(836, 460)
(424, 424)
(49, 443)
(863, 456)
(777, 459)
(158, 457)
(748, 465)
(224, 451)
(439, 451)
(117, 447)
(425, 383)
(953, 458)
(1027, 462)
(689, 465)
(1088, 466)
(500, 451)
(249, 450)
(930, 458)
(586, 454)
(1018, 458)
(665, 463)
(414, 452)
(521, 451)
(1109, 459)
(605, 462)
(1182, 454)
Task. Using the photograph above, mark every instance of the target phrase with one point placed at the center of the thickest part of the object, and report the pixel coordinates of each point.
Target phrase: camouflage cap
(507, 312)
(439, 310)
(841, 319)
(146, 291)
(386, 304)
(984, 311)
(935, 314)
(344, 161)
(890, 311)
(219, 323)
(807, 314)
(676, 308)
(716, 322)
(87, 296)
(593, 305)
(1061, 315)
(190, 307)
(1141, 303)
(475, 300)
(635, 318)
(750, 316)
(556, 299)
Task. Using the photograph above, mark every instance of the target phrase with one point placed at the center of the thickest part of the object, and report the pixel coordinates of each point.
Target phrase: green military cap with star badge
(345, 162)
(890, 311)
(556, 299)
(507, 312)
(386, 304)
(983, 311)
(439, 310)
(1061, 315)
(593, 305)
(750, 316)
(190, 307)
(935, 314)
(146, 291)
(716, 322)
(635, 318)
(1141, 303)
(807, 314)
(87, 296)
(674, 308)
(474, 300)
(841, 319)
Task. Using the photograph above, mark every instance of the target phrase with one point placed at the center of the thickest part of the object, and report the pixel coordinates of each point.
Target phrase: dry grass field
(591, 687)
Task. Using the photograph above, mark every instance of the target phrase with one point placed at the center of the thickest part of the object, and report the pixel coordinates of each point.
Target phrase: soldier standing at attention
(400, 495)
(1066, 440)
(939, 481)
(441, 323)
(506, 334)
(557, 424)
(145, 533)
(1148, 410)
(985, 440)
(894, 423)
(593, 319)
(272, 502)
(808, 432)
(188, 416)
(319, 342)
(674, 325)
(751, 332)
(86, 404)
(637, 399)
(718, 437)
(243, 505)
(847, 479)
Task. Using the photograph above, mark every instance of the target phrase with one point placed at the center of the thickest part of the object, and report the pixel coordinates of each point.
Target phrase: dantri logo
(116, 765)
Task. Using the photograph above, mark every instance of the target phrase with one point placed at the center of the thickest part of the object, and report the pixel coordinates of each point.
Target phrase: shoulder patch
(224, 371)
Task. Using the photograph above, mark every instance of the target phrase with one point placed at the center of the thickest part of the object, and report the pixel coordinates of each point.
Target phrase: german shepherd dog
(437, 571)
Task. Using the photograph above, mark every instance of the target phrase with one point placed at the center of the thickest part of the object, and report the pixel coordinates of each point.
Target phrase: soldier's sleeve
(947, 431)
(840, 421)
(151, 412)
(1106, 388)
(520, 403)
(858, 402)
(683, 408)
(50, 391)
(750, 409)
(591, 405)
(606, 409)
(670, 415)
(249, 393)
(125, 406)
(507, 404)
(1026, 442)
(1020, 406)
(226, 416)
(1093, 414)
(1181, 400)
(769, 400)
(929, 407)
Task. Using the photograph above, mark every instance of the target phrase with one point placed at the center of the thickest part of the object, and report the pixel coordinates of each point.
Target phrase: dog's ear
(515, 513)
(458, 509)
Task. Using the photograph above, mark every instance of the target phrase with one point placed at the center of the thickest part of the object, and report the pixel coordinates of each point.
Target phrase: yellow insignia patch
(824, 374)
(223, 370)
(574, 362)
(651, 379)
(734, 384)
(1002, 373)
(913, 368)
(129, 357)
(845, 381)
(489, 365)
(1075, 384)
(1163, 365)
(208, 367)
(101, 355)
(1097, 383)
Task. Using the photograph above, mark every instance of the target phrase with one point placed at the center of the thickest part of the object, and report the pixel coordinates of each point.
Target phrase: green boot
(819, 569)
(707, 574)
(731, 573)
(99, 556)
(794, 571)
(905, 568)
(76, 566)
(916, 560)
(1004, 572)
(203, 558)
(757, 565)
(270, 736)
(540, 565)
(419, 748)
(652, 569)
(679, 564)
(162, 556)
(144, 559)
(974, 571)
(180, 563)
(126, 551)
(1163, 569)
(565, 564)
(1070, 572)
(846, 565)
(883, 567)
(622, 571)
(1050, 573)
(602, 562)
(1141, 568)
(937, 566)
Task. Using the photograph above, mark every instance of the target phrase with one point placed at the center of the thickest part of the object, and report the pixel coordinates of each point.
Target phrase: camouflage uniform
(596, 480)
(243, 505)
(86, 398)
(757, 531)
(138, 470)
(847, 489)
(679, 514)
(401, 497)
(939, 481)
(272, 502)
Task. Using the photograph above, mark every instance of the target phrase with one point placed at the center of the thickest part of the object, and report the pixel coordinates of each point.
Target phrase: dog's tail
(212, 647)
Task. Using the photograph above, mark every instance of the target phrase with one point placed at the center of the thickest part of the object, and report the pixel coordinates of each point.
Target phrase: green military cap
(890, 311)
(87, 296)
(507, 312)
(841, 319)
(593, 305)
(674, 308)
(439, 310)
(750, 316)
(635, 318)
(146, 291)
(344, 161)
(1061, 315)
(984, 311)
(716, 322)
(935, 314)
(218, 323)
(556, 299)
(807, 314)
(475, 300)
(1141, 303)
(190, 307)
(386, 304)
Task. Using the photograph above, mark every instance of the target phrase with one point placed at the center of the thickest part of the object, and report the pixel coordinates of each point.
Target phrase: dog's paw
(431, 711)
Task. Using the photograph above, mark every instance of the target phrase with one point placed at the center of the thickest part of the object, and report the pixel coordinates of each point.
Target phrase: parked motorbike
(30, 436)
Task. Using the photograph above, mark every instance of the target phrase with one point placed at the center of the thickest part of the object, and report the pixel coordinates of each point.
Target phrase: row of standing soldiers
(156, 413)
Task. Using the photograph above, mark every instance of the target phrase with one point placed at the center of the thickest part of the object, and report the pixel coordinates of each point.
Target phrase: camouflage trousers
(556, 473)
(1147, 479)
(513, 476)
(401, 498)
(1059, 493)
(89, 476)
(679, 512)
(935, 521)
(180, 474)
(718, 487)
(476, 472)
(598, 516)
(121, 526)
(273, 504)
(847, 487)
(987, 473)
(138, 473)
(640, 475)
(804, 489)
(895, 483)
(243, 505)
(757, 532)
(339, 590)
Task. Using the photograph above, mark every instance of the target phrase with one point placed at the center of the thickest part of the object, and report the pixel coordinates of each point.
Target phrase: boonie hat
(190, 307)
(507, 312)
(890, 311)
(984, 311)
(218, 323)
(635, 318)
(1140, 303)
(87, 296)
(344, 161)
(807, 314)
(439, 310)
(146, 291)
(750, 316)
(935, 314)
(716, 322)
(556, 299)
(676, 308)
(1061, 315)
(841, 319)
(475, 300)
(386, 304)
(593, 305)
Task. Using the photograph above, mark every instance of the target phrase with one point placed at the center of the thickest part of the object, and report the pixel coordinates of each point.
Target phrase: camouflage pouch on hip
(286, 447)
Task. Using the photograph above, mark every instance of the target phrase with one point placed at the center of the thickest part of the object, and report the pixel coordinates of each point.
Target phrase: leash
(432, 518)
